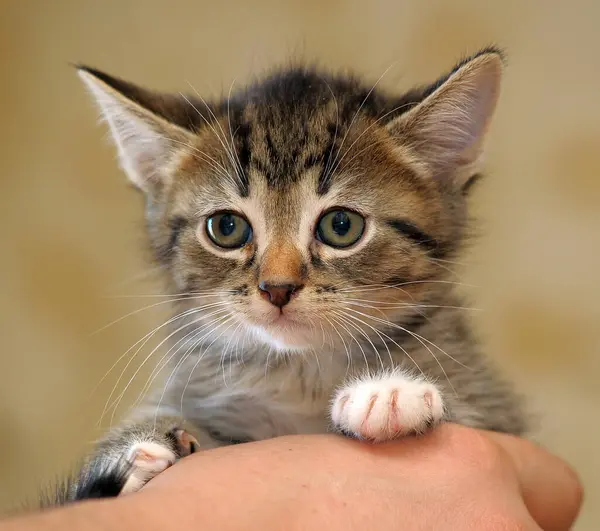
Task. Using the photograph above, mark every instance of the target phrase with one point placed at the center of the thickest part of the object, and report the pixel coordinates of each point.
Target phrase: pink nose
(278, 294)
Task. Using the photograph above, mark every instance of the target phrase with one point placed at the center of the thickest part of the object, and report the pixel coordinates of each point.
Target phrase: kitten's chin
(295, 338)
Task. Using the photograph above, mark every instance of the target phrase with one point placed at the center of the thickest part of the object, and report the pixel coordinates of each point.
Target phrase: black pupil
(227, 225)
(340, 223)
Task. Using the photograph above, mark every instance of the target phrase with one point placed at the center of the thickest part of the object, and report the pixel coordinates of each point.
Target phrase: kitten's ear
(144, 126)
(447, 128)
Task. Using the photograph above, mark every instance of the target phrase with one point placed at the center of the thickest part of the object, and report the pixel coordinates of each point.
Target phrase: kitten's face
(305, 211)
(331, 252)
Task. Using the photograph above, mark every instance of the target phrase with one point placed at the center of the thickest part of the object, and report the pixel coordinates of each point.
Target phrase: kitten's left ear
(446, 129)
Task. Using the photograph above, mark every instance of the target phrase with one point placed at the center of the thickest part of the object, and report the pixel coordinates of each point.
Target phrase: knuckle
(474, 450)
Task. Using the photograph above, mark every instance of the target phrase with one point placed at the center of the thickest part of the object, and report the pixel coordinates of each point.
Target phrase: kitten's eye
(228, 230)
(340, 228)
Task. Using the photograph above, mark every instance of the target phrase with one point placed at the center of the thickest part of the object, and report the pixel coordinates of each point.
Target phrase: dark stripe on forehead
(242, 136)
(329, 159)
(271, 151)
(413, 233)
(273, 168)
(282, 165)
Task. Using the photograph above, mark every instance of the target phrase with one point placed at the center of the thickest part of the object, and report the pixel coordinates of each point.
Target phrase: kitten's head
(307, 205)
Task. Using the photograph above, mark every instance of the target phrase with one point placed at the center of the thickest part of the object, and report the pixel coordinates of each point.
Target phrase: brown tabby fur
(282, 152)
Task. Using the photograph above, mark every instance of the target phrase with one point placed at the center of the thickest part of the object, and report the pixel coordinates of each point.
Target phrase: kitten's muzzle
(279, 294)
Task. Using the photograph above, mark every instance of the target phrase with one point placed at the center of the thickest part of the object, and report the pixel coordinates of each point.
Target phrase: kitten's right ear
(141, 128)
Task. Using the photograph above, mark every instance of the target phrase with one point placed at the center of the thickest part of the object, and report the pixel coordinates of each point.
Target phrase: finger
(551, 489)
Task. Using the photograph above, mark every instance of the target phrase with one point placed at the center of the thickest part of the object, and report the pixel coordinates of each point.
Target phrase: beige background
(71, 231)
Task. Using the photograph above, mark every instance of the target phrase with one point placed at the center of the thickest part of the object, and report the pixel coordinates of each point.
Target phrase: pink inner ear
(145, 141)
(448, 128)
(454, 127)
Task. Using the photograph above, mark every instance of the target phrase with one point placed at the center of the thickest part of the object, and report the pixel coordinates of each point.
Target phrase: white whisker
(356, 341)
(362, 332)
(185, 294)
(348, 365)
(154, 305)
(195, 333)
(400, 305)
(204, 157)
(237, 159)
(337, 123)
(420, 339)
(182, 361)
(376, 287)
(143, 342)
(146, 338)
(380, 333)
(224, 356)
(335, 161)
(222, 139)
(365, 131)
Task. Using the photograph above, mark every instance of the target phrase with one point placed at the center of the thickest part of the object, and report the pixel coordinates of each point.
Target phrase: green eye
(340, 228)
(228, 230)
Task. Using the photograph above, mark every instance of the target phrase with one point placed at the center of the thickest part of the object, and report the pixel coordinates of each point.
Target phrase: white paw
(387, 407)
(148, 459)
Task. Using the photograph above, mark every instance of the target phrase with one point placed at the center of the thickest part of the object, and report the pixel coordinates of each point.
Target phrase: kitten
(305, 223)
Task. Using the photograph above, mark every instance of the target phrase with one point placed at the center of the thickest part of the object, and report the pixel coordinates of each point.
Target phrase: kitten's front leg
(386, 406)
(136, 453)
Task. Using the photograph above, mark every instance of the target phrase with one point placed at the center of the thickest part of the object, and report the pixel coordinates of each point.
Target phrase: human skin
(452, 478)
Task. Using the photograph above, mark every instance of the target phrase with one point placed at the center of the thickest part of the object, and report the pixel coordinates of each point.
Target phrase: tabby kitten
(305, 224)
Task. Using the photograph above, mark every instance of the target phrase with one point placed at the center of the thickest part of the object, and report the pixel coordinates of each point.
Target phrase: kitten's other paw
(386, 407)
(150, 458)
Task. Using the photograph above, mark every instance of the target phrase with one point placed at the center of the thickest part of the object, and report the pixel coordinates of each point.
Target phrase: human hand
(452, 478)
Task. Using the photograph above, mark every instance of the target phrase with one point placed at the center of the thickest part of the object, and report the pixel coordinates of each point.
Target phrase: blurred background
(72, 254)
